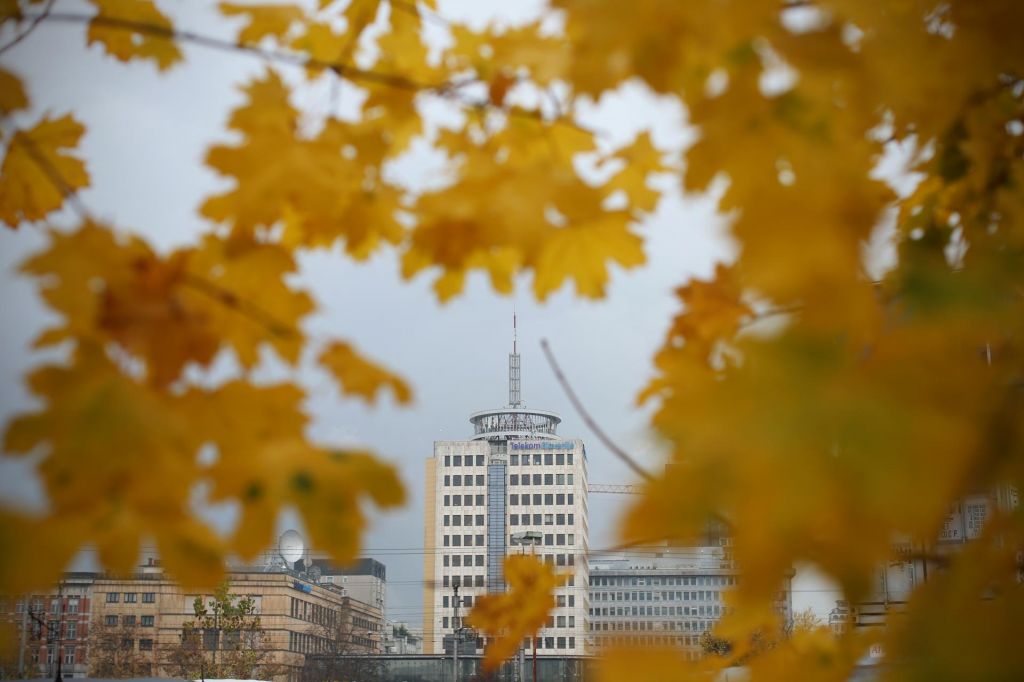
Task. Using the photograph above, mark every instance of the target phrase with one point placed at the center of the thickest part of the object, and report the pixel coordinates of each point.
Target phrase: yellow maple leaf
(263, 20)
(12, 93)
(509, 617)
(38, 170)
(581, 251)
(358, 376)
(134, 30)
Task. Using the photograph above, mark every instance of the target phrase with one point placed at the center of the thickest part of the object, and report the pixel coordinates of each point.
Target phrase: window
(479, 500)
(513, 479)
(69, 656)
(478, 581)
(478, 560)
(514, 460)
(549, 479)
(549, 519)
(513, 499)
(110, 620)
(537, 519)
(513, 519)
(479, 460)
(457, 479)
(560, 539)
(457, 560)
(130, 597)
(149, 597)
(467, 520)
(549, 539)
(129, 643)
(457, 541)
(446, 540)
(457, 499)
(549, 458)
(560, 498)
(570, 498)
(145, 645)
(570, 521)
(447, 501)
(572, 539)
(457, 520)
(536, 458)
(560, 479)
(445, 559)
(479, 540)
(560, 519)
(537, 498)
(569, 479)
(447, 479)
(568, 459)
(70, 630)
(113, 597)
(128, 620)
(479, 479)
(457, 461)
(560, 458)
(479, 519)
(147, 621)
(467, 540)
(72, 605)
(447, 460)
(537, 478)
(549, 498)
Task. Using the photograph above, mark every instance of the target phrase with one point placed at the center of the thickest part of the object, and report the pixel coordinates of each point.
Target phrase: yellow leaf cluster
(509, 617)
(134, 30)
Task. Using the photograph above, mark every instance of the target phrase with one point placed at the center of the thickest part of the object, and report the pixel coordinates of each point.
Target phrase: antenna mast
(514, 395)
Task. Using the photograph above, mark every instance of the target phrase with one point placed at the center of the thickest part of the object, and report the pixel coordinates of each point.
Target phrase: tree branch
(36, 20)
(587, 419)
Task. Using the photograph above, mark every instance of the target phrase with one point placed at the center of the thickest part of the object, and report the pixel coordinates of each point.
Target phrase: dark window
(513, 519)
(445, 540)
(110, 620)
(514, 499)
(568, 458)
(549, 458)
(479, 560)
(113, 597)
(129, 597)
(549, 539)
(479, 460)
(537, 478)
(549, 498)
(145, 645)
(513, 479)
(127, 620)
(570, 498)
(515, 460)
(479, 500)
(457, 540)
(447, 460)
(560, 498)
(560, 458)
(479, 479)
(457, 479)
(479, 581)
(549, 479)
(148, 597)
(537, 498)
(447, 479)
(479, 519)
(479, 540)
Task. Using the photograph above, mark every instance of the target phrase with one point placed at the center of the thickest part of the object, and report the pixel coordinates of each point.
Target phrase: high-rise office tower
(515, 486)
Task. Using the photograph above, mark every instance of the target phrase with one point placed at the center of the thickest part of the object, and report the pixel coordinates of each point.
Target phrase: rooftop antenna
(514, 396)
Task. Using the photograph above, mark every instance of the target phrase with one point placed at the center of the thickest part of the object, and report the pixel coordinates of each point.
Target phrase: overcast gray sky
(147, 135)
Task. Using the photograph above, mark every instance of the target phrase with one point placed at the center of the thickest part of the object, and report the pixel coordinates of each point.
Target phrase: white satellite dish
(291, 546)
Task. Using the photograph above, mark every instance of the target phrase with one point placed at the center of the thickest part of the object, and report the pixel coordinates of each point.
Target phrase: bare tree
(343, 658)
(113, 652)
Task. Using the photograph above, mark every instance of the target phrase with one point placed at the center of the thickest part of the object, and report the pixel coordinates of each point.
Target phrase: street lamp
(531, 538)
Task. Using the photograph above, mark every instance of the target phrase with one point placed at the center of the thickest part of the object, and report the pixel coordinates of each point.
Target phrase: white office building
(513, 476)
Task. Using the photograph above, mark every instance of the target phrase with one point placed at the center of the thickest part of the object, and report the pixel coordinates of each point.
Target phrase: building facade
(365, 581)
(514, 475)
(49, 628)
(663, 597)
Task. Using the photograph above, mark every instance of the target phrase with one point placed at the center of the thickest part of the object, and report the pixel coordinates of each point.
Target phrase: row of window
(313, 613)
(36, 606)
(689, 595)
(68, 651)
(548, 459)
(478, 580)
(464, 520)
(365, 624)
(645, 625)
(307, 644)
(652, 640)
(463, 540)
(464, 560)
(464, 500)
(144, 621)
(131, 597)
(464, 460)
(694, 581)
(459, 479)
(542, 519)
(540, 479)
(690, 611)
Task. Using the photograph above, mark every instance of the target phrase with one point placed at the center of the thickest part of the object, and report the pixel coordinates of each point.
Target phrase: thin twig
(587, 419)
(36, 20)
(447, 89)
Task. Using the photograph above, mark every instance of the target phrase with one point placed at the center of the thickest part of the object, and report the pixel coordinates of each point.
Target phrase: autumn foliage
(825, 405)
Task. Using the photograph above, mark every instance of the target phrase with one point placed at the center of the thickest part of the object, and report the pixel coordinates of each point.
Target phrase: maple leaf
(357, 376)
(12, 93)
(118, 28)
(580, 252)
(509, 617)
(38, 170)
(263, 20)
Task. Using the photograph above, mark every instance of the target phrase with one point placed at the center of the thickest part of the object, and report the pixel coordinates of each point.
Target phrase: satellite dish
(291, 547)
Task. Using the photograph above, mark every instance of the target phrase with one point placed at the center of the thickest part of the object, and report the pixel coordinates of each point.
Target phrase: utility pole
(455, 629)
(60, 632)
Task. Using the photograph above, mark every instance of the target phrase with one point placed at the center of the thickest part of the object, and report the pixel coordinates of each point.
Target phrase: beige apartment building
(148, 610)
